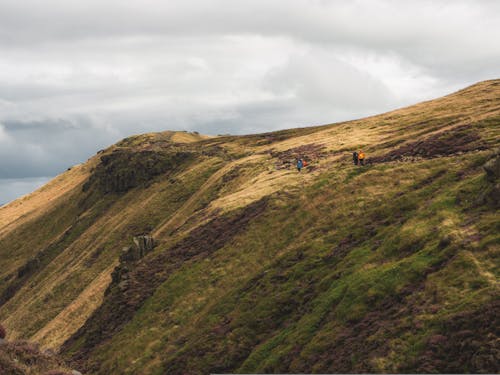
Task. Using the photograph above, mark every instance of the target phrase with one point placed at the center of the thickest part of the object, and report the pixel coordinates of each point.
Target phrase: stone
(144, 244)
(492, 169)
(128, 254)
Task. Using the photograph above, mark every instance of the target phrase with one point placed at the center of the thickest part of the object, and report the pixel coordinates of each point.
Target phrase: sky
(77, 76)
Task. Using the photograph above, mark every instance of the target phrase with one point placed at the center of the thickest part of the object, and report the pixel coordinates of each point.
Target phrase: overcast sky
(76, 76)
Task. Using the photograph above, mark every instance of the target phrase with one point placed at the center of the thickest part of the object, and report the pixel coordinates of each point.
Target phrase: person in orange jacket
(361, 157)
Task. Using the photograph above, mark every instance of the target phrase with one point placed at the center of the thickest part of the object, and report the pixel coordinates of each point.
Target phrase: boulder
(492, 168)
(144, 244)
(129, 254)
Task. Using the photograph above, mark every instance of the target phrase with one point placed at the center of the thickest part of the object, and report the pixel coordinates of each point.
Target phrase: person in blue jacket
(300, 164)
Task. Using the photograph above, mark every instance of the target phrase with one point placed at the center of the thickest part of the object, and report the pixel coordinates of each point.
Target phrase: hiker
(300, 164)
(355, 158)
(361, 157)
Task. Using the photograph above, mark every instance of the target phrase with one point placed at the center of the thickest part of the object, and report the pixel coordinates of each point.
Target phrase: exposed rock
(123, 170)
(143, 244)
(128, 254)
(492, 168)
(491, 194)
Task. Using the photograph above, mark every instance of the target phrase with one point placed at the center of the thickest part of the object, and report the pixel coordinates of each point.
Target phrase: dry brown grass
(187, 209)
(36, 204)
(184, 137)
(54, 333)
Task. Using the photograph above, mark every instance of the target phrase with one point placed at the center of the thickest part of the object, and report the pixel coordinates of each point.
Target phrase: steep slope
(257, 268)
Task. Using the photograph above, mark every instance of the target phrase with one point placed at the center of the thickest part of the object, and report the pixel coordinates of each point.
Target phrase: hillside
(177, 253)
(20, 358)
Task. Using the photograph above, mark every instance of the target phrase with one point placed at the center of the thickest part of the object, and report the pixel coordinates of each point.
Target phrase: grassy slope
(346, 268)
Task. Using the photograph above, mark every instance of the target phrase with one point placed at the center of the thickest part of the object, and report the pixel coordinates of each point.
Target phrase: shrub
(2, 332)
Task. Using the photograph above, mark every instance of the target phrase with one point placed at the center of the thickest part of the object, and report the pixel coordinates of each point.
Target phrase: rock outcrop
(492, 193)
(143, 244)
(122, 170)
(492, 168)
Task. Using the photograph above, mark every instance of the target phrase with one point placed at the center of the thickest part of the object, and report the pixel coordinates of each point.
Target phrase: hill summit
(178, 253)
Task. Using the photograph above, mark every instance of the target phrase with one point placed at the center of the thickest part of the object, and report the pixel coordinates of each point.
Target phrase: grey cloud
(35, 129)
(407, 26)
(10, 189)
(45, 148)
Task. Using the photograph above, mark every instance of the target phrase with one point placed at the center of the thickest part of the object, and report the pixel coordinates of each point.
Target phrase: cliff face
(242, 264)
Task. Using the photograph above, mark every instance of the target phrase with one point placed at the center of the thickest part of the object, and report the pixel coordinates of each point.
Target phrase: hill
(177, 253)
